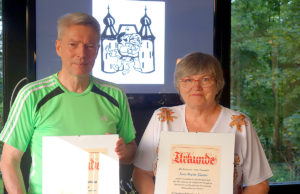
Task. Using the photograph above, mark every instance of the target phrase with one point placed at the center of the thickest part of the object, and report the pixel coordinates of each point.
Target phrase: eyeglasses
(205, 82)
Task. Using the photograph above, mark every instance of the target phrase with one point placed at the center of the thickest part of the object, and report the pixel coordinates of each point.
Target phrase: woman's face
(198, 91)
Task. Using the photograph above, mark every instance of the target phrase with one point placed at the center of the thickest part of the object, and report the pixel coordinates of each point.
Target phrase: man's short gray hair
(76, 19)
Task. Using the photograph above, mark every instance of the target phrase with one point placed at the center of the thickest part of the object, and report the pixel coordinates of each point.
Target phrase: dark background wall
(15, 59)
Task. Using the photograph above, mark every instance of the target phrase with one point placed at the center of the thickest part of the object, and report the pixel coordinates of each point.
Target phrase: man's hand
(125, 151)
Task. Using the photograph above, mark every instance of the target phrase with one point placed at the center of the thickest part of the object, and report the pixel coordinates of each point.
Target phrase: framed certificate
(80, 164)
(195, 163)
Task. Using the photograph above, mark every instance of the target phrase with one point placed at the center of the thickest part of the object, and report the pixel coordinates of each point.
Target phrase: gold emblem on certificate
(194, 169)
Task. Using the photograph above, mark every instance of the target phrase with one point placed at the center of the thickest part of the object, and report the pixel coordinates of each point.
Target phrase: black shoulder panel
(50, 95)
(107, 96)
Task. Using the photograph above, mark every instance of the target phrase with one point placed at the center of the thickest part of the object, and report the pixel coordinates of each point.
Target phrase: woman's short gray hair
(76, 19)
(199, 63)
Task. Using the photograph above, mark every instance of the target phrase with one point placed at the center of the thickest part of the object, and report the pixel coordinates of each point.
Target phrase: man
(70, 102)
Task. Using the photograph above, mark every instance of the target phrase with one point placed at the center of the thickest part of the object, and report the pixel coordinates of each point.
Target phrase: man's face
(78, 50)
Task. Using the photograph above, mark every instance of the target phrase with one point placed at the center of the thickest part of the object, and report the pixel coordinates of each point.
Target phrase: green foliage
(265, 69)
(127, 187)
(1, 185)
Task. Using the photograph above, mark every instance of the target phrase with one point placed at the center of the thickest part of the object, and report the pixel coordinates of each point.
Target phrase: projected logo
(129, 54)
(128, 49)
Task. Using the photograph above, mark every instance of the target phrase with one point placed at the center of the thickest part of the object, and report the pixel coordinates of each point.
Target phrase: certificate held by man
(80, 164)
(195, 163)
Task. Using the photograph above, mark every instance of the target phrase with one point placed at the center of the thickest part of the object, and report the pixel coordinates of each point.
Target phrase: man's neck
(77, 84)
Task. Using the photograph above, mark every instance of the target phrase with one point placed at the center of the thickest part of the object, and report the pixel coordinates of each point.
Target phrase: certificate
(195, 163)
(80, 164)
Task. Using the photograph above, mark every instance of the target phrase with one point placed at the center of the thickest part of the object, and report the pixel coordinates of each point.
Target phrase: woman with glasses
(199, 81)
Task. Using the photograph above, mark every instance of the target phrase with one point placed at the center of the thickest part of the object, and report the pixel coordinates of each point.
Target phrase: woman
(199, 80)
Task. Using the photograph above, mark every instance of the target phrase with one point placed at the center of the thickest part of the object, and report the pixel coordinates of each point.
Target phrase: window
(265, 81)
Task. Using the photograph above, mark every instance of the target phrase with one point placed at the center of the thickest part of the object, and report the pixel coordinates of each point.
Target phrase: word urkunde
(188, 158)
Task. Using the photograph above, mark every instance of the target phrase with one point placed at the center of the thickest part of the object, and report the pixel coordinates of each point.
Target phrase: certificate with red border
(195, 163)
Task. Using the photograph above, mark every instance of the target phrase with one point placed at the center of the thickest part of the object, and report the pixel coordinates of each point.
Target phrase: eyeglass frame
(200, 81)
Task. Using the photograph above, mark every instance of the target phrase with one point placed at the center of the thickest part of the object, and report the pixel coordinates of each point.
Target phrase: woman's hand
(260, 188)
(143, 181)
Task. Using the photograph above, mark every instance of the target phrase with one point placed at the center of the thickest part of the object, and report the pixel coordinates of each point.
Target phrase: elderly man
(70, 102)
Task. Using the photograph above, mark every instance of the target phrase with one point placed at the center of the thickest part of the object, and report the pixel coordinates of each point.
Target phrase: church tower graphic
(147, 56)
(128, 49)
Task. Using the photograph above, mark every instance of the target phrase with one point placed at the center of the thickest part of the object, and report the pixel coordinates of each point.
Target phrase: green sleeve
(125, 127)
(18, 128)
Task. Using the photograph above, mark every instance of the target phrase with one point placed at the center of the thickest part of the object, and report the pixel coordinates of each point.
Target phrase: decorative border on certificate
(195, 163)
